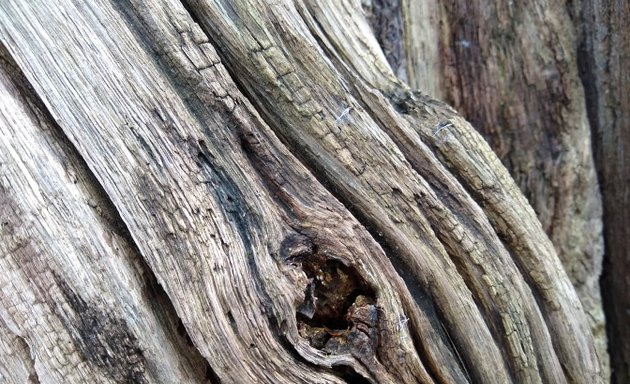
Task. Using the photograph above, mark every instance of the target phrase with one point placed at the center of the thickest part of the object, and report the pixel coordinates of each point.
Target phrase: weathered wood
(511, 68)
(309, 217)
(76, 297)
(604, 58)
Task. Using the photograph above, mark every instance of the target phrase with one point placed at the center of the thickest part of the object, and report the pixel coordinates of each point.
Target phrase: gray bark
(245, 192)
(511, 69)
(605, 54)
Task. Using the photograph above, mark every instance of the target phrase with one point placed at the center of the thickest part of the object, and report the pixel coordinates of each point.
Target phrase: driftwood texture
(512, 69)
(235, 192)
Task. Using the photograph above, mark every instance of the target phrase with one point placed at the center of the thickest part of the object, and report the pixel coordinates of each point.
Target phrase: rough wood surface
(605, 54)
(76, 296)
(511, 69)
(306, 215)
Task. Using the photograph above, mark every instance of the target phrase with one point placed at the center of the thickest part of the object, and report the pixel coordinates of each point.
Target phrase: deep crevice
(350, 375)
(30, 355)
(332, 290)
(385, 18)
(279, 332)
(339, 313)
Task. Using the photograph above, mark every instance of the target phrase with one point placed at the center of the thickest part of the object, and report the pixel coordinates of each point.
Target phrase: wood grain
(289, 194)
(511, 69)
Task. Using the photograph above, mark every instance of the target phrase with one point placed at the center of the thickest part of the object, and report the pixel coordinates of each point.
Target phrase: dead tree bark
(244, 191)
(604, 58)
(511, 68)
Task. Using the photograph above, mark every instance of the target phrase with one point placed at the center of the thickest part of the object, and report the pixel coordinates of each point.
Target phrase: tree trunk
(605, 54)
(511, 68)
(244, 191)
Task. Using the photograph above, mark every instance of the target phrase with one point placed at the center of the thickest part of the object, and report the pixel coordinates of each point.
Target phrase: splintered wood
(243, 191)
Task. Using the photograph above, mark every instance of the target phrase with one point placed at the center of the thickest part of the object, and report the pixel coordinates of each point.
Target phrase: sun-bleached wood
(303, 214)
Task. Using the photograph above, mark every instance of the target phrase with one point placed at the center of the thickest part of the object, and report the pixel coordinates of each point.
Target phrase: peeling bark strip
(296, 246)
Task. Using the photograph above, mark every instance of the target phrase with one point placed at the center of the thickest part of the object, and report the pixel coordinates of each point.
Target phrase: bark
(511, 68)
(231, 191)
(605, 54)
